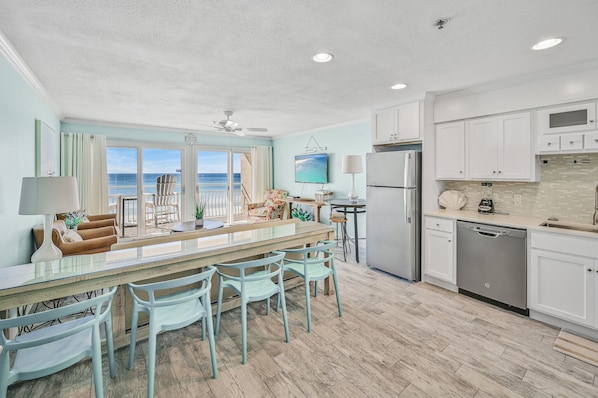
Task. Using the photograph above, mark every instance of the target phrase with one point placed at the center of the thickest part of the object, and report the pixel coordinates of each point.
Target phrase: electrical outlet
(517, 199)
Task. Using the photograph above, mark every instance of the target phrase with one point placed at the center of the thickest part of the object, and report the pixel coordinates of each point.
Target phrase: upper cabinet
(570, 128)
(491, 148)
(500, 148)
(396, 124)
(450, 151)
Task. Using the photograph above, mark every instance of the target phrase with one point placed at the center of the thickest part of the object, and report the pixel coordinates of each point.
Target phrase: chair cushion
(259, 212)
(72, 236)
(274, 196)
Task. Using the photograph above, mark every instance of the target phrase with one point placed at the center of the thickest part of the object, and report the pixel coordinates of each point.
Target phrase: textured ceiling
(179, 64)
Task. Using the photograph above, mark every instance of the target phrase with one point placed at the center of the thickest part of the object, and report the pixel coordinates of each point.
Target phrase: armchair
(92, 240)
(270, 209)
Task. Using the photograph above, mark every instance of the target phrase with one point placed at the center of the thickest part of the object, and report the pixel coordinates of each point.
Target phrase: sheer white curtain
(84, 156)
(261, 172)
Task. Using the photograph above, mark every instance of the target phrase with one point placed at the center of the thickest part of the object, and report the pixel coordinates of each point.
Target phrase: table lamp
(48, 196)
(351, 164)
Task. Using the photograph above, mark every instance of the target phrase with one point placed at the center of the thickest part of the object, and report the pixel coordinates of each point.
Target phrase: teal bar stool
(311, 267)
(51, 349)
(253, 285)
(172, 311)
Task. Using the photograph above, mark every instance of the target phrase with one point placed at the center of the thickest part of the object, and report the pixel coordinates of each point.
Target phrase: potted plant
(200, 208)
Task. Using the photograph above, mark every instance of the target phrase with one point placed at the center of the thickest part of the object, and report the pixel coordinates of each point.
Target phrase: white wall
(20, 105)
(555, 90)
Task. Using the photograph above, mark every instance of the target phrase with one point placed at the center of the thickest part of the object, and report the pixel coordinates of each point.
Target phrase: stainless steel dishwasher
(491, 264)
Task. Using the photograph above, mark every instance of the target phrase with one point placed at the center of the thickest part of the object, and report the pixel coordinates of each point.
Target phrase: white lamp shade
(351, 164)
(48, 195)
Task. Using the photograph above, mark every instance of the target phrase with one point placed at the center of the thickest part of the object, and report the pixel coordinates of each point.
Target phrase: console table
(36, 282)
(304, 201)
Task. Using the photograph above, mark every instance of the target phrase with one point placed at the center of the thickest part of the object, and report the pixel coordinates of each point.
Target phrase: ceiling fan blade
(257, 129)
(238, 132)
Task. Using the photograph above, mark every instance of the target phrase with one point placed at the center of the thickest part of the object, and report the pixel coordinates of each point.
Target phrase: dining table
(31, 283)
(354, 207)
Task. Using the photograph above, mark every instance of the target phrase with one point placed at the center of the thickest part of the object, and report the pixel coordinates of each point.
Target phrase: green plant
(200, 208)
(301, 214)
(74, 218)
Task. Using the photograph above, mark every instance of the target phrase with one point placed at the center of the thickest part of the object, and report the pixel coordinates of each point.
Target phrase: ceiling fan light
(322, 57)
(548, 43)
(398, 86)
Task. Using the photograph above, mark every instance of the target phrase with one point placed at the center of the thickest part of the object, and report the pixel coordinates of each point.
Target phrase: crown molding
(150, 127)
(11, 55)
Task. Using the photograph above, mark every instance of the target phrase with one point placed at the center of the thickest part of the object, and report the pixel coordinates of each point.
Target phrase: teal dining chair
(253, 283)
(53, 348)
(171, 311)
(311, 267)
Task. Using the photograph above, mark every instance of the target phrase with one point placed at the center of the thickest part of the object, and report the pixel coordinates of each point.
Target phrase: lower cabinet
(564, 277)
(439, 249)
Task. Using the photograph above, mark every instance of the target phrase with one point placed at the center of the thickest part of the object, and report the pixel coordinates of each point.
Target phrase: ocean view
(125, 183)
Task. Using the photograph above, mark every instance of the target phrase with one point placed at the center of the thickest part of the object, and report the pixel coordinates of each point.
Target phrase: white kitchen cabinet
(397, 124)
(439, 249)
(562, 285)
(567, 118)
(450, 151)
(500, 148)
(563, 277)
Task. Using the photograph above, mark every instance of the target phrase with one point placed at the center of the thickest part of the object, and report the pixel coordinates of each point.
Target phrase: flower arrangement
(200, 208)
(74, 218)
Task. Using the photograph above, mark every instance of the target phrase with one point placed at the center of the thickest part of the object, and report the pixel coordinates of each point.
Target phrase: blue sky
(124, 160)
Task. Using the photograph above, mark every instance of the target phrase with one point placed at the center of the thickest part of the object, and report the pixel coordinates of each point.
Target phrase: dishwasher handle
(493, 234)
(487, 232)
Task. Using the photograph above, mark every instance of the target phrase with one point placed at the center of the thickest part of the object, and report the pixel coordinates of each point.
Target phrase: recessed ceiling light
(548, 43)
(398, 86)
(322, 57)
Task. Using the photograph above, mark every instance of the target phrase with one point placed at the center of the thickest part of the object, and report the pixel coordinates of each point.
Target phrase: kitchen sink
(571, 226)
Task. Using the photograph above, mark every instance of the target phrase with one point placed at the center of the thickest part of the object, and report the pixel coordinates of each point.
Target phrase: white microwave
(569, 118)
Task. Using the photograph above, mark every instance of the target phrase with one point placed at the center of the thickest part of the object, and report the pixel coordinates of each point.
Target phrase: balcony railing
(216, 203)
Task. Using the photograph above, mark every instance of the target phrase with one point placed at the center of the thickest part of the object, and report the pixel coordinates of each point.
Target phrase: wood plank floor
(395, 339)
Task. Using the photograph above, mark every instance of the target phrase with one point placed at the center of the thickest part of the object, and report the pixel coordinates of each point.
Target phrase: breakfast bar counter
(31, 283)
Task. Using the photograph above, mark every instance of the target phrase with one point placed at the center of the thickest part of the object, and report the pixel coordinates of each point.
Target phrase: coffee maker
(486, 206)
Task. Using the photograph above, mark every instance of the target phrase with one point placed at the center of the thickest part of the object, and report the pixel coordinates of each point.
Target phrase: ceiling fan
(230, 126)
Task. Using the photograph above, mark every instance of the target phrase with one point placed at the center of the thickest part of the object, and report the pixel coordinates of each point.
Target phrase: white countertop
(504, 220)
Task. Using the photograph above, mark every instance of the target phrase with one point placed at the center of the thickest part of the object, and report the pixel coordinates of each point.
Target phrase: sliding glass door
(223, 183)
(134, 198)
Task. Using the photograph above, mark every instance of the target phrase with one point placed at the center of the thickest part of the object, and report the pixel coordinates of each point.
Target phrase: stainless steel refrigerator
(393, 182)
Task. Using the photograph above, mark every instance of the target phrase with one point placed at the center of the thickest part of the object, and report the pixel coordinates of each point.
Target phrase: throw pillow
(72, 236)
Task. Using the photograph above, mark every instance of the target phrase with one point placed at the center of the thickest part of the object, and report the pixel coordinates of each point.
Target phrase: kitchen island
(31, 283)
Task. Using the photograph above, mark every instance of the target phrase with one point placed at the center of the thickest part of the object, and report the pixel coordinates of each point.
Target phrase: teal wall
(350, 139)
(19, 107)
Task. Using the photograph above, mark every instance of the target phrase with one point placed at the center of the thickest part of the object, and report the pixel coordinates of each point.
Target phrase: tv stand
(304, 201)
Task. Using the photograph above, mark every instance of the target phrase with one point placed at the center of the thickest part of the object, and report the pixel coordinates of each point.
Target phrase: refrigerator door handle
(407, 171)
(407, 205)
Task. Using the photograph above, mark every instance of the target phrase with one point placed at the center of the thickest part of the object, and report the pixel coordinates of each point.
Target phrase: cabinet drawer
(571, 142)
(549, 143)
(440, 224)
(591, 141)
(570, 244)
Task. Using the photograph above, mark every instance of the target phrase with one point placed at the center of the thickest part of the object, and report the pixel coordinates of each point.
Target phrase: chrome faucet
(595, 206)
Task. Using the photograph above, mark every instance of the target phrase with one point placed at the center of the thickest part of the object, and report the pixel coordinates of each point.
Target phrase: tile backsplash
(565, 191)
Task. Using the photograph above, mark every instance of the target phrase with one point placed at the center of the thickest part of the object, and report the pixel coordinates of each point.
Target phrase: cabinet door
(515, 157)
(571, 142)
(408, 122)
(439, 255)
(450, 151)
(566, 119)
(590, 141)
(549, 143)
(562, 285)
(384, 131)
(482, 148)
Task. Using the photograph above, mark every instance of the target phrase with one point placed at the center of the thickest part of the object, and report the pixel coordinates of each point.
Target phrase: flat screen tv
(311, 168)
